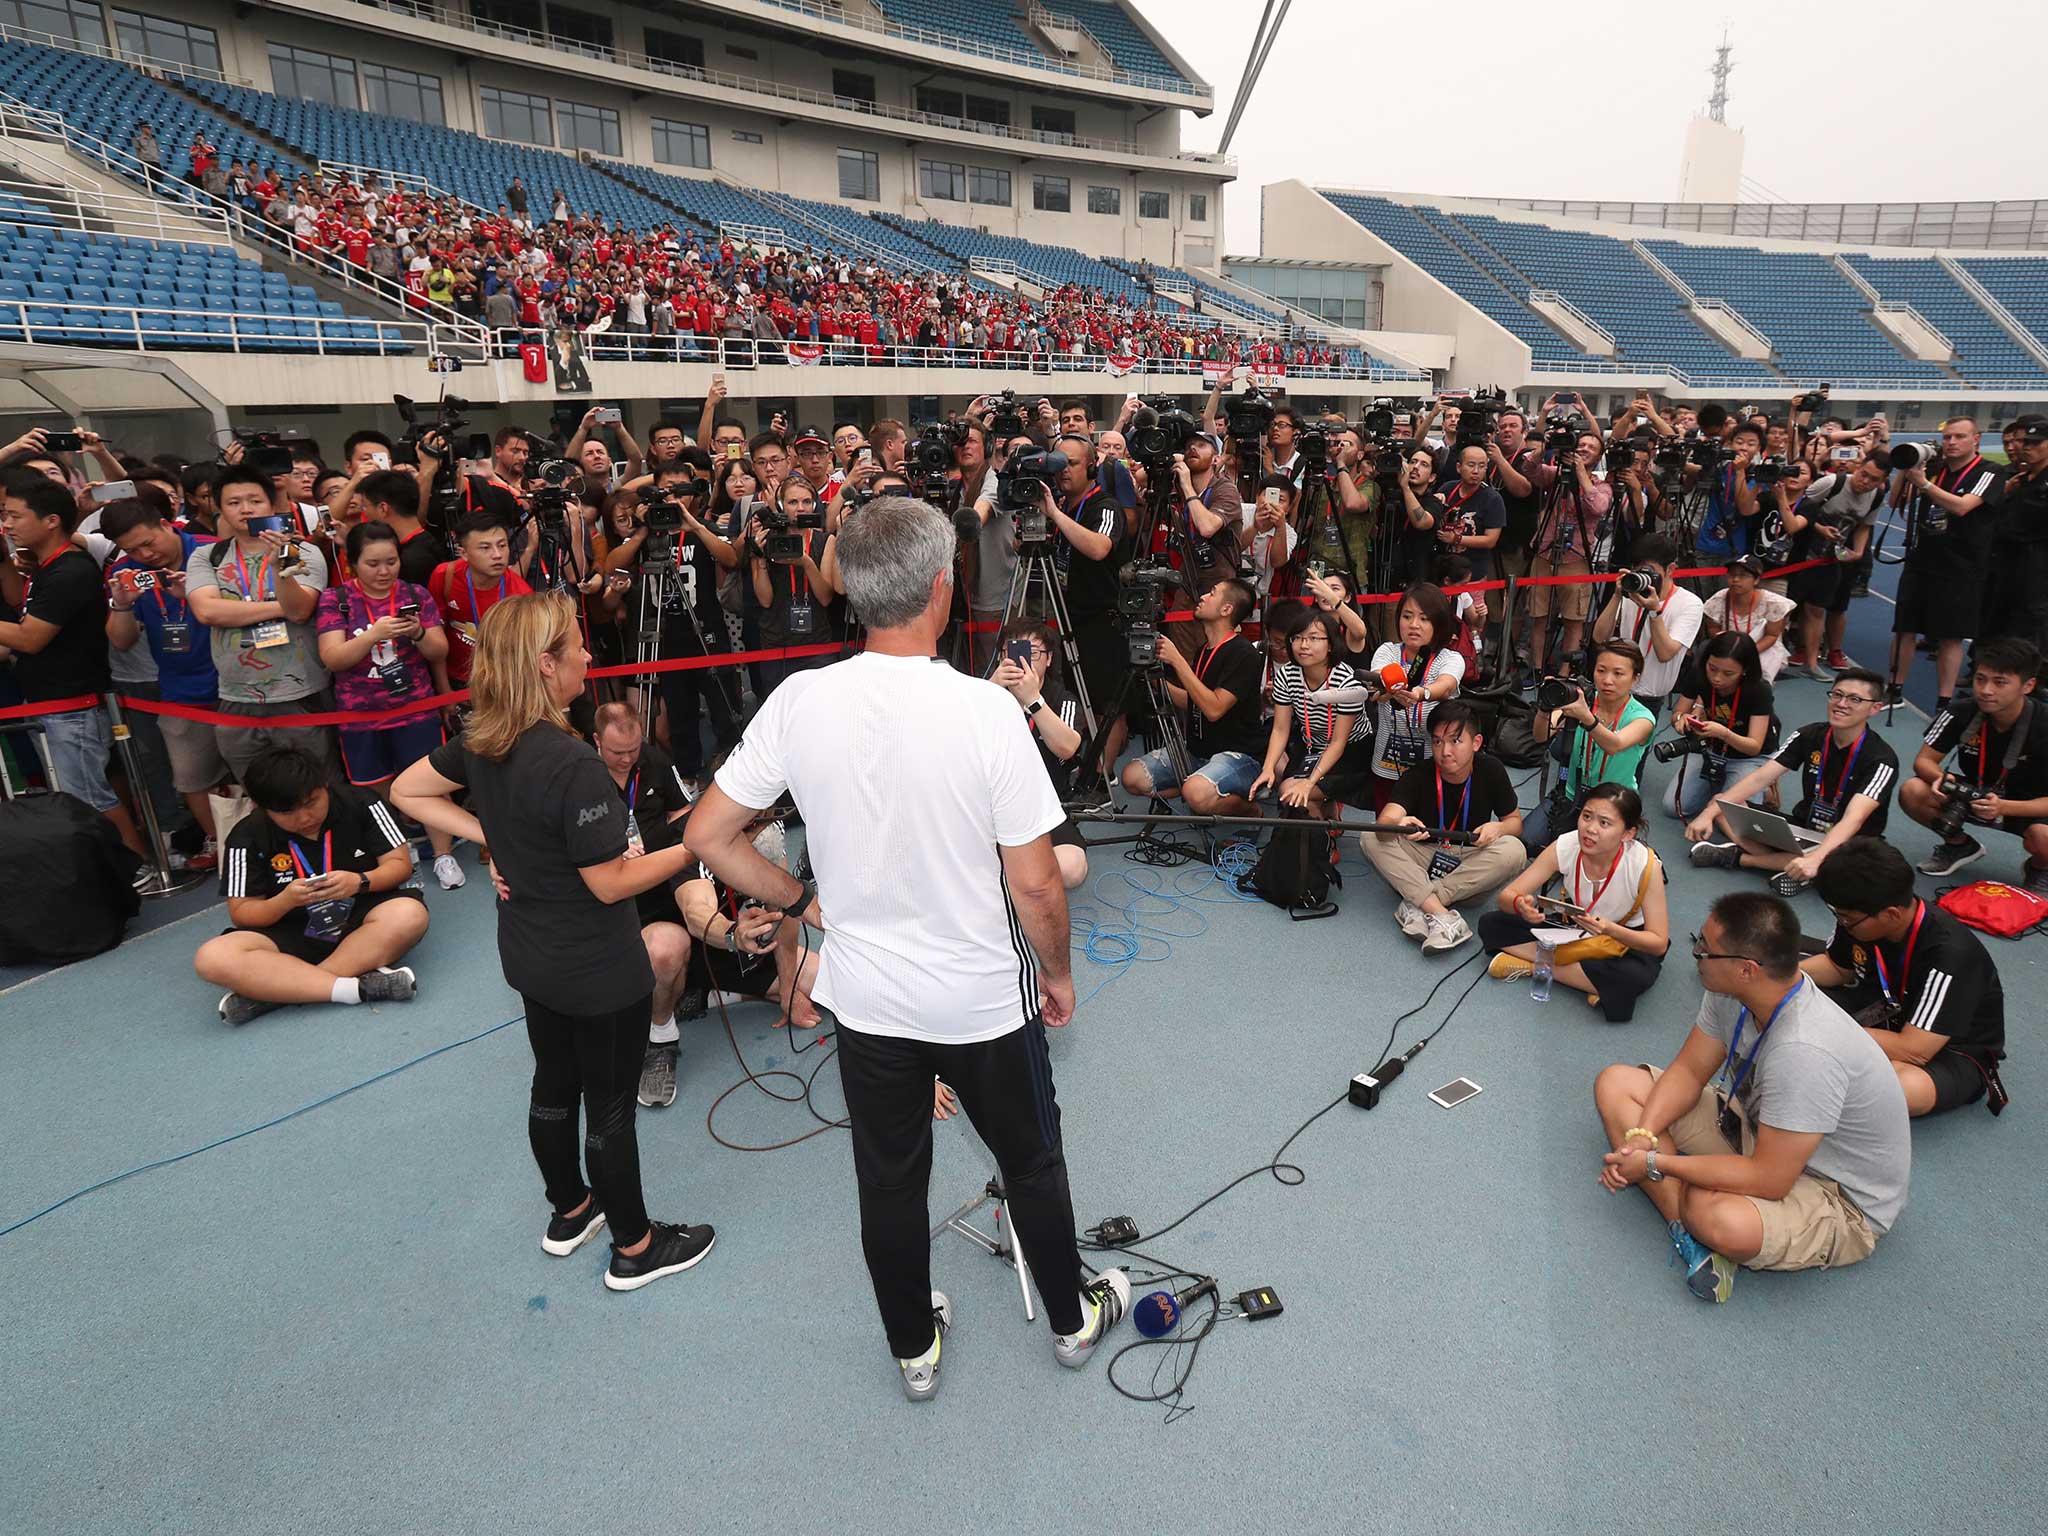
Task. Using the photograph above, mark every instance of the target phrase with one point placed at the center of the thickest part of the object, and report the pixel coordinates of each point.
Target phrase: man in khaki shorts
(1576, 500)
(1778, 1137)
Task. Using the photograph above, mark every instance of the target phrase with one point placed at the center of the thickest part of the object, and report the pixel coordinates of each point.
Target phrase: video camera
(551, 502)
(1958, 796)
(1554, 693)
(1021, 489)
(661, 505)
(270, 453)
(1160, 429)
(1562, 428)
(1769, 471)
(1478, 417)
(1250, 414)
(788, 537)
(1142, 588)
(1008, 418)
(932, 453)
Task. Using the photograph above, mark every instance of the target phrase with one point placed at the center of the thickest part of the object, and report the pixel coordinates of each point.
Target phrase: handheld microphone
(1159, 1314)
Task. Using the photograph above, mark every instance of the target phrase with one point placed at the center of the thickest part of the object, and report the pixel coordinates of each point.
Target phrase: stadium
(284, 1273)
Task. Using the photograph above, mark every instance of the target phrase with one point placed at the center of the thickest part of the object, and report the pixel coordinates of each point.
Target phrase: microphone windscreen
(1155, 1315)
(1394, 675)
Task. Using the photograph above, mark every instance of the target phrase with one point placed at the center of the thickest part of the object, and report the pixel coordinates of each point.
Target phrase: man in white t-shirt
(1664, 626)
(945, 920)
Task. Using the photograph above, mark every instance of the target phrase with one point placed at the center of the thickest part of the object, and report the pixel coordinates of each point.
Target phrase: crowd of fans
(273, 583)
(524, 269)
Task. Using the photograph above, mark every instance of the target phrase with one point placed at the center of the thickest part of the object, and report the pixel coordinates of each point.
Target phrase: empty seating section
(973, 21)
(69, 287)
(2020, 283)
(1130, 49)
(1053, 262)
(1984, 352)
(1818, 322)
(1405, 230)
(110, 101)
(475, 169)
(1603, 277)
(709, 203)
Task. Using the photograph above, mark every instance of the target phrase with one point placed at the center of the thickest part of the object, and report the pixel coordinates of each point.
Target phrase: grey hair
(890, 553)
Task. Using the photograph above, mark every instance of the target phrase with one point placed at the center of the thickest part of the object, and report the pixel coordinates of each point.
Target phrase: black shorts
(288, 933)
(1105, 662)
(1828, 587)
(1957, 1081)
(742, 975)
(1939, 599)
(1068, 835)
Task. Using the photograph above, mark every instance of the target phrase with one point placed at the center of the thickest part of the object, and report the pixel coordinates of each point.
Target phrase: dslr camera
(1769, 471)
(1554, 693)
(1250, 414)
(1713, 765)
(788, 537)
(1639, 585)
(1958, 797)
(1159, 430)
(1813, 399)
(1021, 490)
(1142, 589)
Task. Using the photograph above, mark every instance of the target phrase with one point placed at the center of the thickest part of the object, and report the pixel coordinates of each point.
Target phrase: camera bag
(1294, 871)
(81, 896)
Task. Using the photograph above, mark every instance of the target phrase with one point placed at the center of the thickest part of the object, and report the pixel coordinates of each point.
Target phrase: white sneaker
(449, 873)
(1446, 932)
(1411, 920)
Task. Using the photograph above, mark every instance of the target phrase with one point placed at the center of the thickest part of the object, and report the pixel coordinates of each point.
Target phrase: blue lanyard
(1464, 811)
(1728, 1068)
(476, 614)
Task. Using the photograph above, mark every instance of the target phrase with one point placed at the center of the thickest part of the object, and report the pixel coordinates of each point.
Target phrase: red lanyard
(326, 855)
(1578, 867)
(1749, 614)
(1208, 658)
(1984, 756)
(1941, 478)
(1453, 501)
(28, 583)
(369, 606)
(1329, 710)
(1849, 767)
(262, 576)
(1734, 705)
(1464, 810)
(1905, 960)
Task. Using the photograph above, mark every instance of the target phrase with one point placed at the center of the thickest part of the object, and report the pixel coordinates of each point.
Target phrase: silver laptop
(1756, 825)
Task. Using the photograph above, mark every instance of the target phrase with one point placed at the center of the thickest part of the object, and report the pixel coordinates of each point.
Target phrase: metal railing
(1901, 307)
(831, 233)
(1579, 316)
(1649, 259)
(1844, 388)
(68, 322)
(1735, 317)
(756, 86)
(759, 234)
(101, 213)
(114, 55)
(348, 170)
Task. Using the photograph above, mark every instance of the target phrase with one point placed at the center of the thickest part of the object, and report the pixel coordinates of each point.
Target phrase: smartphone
(1273, 497)
(1564, 909)
(1455, 1092)
(1847, 454)
(381, 459)
(62, 442)
(1019, 651)
(607, 416)
(113, 490)
(408, 610)
(734, 450)
(266, 525)
(865, 456)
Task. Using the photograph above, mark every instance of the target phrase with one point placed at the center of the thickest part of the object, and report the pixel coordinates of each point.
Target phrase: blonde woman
(568, 931)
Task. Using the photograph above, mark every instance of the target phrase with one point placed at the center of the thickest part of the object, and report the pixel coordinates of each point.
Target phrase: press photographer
(1948, 550)
(1308, 742)
(2016, 595)
(1733, 510)
(1025, 672)
(1092, 538)
(2000, 778)
(1576, 503)
(673, 535)
(1473, 514)
(1920, 982)
(1654, 614)
(1610, 729)
(1212, 508)
(1725, 716)
(789, 591)
(1219, 689)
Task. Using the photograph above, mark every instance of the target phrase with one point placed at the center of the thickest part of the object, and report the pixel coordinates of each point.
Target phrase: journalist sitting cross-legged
(945, 921)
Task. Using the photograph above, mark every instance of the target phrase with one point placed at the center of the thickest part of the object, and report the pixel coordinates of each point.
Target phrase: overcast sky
(1483, 98)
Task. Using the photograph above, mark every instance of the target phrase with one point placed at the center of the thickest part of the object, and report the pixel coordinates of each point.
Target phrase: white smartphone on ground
(1455, 1092)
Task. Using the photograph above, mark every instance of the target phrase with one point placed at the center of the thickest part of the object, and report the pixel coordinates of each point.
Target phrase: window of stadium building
(515, 115)
(962, 105)
(1155, 205)
(943, 181)
(852, 85)
(314, 76)
(401, 93)
(56, 18)
(1052, 194)
(674, 48)
(1198, 207)
(988, 186)
(860, 175)
(167, 42)
(1057, 122)
(1105, 199)
(682, 144)
(586, 127)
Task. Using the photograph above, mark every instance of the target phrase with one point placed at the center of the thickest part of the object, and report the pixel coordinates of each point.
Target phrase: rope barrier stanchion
(161, 880)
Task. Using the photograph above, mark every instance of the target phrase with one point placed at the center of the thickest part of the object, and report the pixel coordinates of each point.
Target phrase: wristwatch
(1034, 706)
(1650, 1167)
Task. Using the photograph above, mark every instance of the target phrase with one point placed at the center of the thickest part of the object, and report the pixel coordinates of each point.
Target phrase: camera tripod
(1161, 728)
(664, 592)
(1035, 573)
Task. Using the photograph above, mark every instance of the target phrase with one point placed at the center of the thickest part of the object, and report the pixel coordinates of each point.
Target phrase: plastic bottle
(1539, 980)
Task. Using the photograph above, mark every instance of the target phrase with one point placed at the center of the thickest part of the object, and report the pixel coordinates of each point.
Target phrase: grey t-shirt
(998, 562)
(1817, 1070)
(252, 671)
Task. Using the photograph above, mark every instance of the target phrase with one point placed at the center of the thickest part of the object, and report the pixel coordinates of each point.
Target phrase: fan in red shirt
(471, 587)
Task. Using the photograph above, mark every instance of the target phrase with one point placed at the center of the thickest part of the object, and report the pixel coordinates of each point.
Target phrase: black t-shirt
(1981, 748)
(1522, 511)
(550, 810)
(1950, 988)
(1961, 542)
(419, 555)
(1091, 584)
(1236, 667)
(652, 793)
(1475, 514)
(69, 594)
(1067, 710)
(782, 618)
(1415, 547)
(1493, 795)
(485, 495)
(2022, 512)
(1829, 775)
(1734, 709)
(259, 861)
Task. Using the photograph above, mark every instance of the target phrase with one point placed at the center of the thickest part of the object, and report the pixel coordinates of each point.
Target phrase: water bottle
(1539, 980)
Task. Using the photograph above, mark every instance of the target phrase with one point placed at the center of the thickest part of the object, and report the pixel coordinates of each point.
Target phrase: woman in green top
(1610, 732)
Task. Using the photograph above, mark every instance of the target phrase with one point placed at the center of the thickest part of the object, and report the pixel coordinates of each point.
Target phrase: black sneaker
(388, 984)
(1947, 858)
(1894, 693)
(237, 1009)
(1709, 854)
(565, 1234)
(671, 1250)
(693, 1004)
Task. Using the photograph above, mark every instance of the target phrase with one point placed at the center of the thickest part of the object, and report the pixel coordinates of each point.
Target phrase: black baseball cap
(810, 435)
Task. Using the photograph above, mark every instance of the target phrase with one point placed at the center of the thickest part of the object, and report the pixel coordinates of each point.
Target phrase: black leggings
(685, 694)
(1005, 1085)
(594, 1059)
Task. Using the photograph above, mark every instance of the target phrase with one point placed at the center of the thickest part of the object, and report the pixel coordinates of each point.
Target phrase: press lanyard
(476, 613)
(1942, 481)
(1464, 809)
(164, 609)
(263, 579)
(1984, 756)
(370, 606)
(1884, 980)
(1842, 783)
(1578, 868)
(326, 855)
(28, 585)
(633, 792)
(1586, 756)
(1750, 1060)
(1414, 711)
(1734, 704)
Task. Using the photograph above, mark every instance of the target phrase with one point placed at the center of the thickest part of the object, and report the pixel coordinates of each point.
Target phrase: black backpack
(1294, 870)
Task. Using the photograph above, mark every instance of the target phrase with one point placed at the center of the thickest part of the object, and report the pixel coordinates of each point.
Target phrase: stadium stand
(1984, 352)
(2020, 283)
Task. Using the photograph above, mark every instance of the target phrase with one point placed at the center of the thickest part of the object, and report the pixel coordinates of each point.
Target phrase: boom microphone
(1159, 1314)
